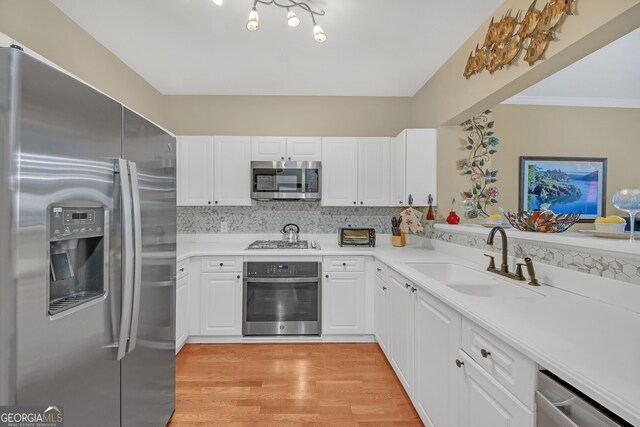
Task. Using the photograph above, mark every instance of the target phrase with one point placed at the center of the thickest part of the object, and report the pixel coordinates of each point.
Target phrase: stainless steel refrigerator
(87, 251)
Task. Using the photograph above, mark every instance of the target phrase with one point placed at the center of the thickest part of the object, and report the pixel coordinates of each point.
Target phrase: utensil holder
(399, 241)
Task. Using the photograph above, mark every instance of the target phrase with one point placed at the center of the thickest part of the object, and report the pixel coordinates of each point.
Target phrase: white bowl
(610, 228)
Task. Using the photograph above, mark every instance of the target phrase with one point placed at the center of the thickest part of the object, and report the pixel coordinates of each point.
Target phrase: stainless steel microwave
(285, 180)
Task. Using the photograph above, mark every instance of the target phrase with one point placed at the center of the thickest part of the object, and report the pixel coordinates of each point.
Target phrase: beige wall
(287, 115)
(526, 130)
(42, 27)
(449, 98)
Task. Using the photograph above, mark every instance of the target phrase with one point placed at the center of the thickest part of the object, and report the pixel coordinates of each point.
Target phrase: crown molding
(573, 101)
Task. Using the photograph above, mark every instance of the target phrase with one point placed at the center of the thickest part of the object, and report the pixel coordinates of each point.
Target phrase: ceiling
(374, 47)
(609, 77)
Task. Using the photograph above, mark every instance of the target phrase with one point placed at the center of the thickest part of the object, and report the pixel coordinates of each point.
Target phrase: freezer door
(68, 135)
(148, 370)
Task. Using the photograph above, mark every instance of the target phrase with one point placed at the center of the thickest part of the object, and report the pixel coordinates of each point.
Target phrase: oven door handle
(282, 280)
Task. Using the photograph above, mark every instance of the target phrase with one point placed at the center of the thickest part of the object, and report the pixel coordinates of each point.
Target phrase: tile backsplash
(584, 260)
(271, 216)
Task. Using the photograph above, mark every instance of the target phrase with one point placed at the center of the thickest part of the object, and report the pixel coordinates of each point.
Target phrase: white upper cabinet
(195, 171)
(414, 167)
(339, 171)
(304, 149)
(232, 160)
(373, 171)
(268, 148)
(214, 171)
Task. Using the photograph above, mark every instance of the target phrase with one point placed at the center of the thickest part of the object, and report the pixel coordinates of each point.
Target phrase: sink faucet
(504, 267)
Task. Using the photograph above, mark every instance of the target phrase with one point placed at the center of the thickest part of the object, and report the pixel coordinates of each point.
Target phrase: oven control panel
(285, 269)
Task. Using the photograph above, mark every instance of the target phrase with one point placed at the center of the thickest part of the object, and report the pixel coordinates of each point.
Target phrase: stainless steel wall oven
(282, 298)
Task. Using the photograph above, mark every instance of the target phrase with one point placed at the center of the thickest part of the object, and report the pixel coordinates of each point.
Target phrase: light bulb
(254, 19)
(319, 34)
(218, 2)
(292, 19)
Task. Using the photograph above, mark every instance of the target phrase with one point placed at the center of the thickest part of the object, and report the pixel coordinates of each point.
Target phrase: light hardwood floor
(287, 385)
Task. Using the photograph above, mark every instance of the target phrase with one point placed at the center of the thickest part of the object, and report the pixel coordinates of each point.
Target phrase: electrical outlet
(224, 227)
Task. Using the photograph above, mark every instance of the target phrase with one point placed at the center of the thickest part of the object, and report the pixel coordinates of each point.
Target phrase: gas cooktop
(278, 244)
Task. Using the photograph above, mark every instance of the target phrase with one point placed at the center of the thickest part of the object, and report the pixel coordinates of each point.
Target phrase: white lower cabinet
(484, 402)
(401, 330)
(182, 312)
(343, 303)
(437, 342)
(221, 304)
(381, 314)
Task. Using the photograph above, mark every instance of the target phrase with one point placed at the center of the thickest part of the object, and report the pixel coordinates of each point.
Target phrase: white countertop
(592, 345)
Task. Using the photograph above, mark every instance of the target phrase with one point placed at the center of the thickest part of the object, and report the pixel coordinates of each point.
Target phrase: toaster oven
(357, 237)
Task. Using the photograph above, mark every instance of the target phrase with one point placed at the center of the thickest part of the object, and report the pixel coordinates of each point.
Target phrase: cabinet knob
(238, 276)
(289, 158)
(182, 269)
(459, 363)
(362, 203)
(209, 202)
(485, 353)
(378, 268)
(413, 289)
(216, 202)
(384, 288)
(221, 264)
(406, 285)
(282, 158)
(400, 202)
(326, 276)
(344, 264)
(354, 203)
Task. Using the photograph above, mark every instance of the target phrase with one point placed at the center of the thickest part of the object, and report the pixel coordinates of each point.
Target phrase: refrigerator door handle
(137, 276)
(127, 258)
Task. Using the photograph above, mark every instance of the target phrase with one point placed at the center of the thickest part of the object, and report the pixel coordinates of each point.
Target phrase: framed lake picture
(564, 185)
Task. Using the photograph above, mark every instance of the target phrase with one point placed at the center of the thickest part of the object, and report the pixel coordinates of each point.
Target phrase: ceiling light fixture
(292, 19)
(254, 19)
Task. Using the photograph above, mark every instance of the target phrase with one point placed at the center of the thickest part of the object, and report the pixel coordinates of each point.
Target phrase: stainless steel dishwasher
(561, 405)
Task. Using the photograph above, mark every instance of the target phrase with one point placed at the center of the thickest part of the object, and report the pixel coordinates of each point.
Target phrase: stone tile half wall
(270, 217)
(626, 270)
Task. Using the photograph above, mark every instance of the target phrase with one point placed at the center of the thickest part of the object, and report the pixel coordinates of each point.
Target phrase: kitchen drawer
(506, 365)
(221, 263)
(182, 269)
(343, 263)
(382, 271)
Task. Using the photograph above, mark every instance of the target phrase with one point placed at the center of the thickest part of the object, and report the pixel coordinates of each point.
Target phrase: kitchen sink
(472, 282)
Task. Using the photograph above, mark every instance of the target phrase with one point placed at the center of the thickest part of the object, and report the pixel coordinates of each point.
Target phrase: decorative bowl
(543, 222)
(611, 228)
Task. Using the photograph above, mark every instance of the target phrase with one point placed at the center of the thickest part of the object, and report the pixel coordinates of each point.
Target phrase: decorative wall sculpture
(481, 145)
(506, 38)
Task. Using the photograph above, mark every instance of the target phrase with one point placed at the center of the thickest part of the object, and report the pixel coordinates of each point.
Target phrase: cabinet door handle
(485, 353)
(459, 363)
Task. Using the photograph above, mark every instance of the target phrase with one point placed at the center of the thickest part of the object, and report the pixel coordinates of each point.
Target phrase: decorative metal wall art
(506, 38)
(481, 144)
